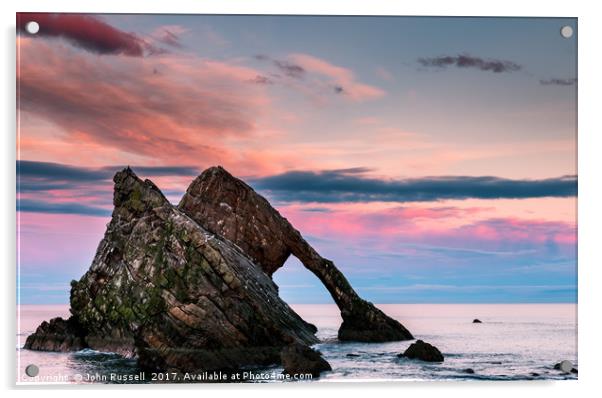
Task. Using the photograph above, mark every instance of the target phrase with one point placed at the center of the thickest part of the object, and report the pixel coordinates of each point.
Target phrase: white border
(589, 180)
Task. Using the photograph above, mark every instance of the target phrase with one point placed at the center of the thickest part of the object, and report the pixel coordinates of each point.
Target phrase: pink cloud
(469, 226)
(169, 34)
(158, 109)
(343, 80)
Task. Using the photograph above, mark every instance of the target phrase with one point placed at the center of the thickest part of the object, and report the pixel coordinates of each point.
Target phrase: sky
(432, 159)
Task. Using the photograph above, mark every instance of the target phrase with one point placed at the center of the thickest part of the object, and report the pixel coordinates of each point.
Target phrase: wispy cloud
(468, 61)
(290, 69)
(315, 75)
(341, 79)
(177, 103)
(169, 35)
(469, 288)
(260, 79)
(558, 82)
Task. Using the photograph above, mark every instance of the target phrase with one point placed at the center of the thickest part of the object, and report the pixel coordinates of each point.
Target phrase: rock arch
(228, 207)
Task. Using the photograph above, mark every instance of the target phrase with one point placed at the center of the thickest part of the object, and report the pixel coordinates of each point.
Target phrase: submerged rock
(423, 351)
(231, 209)
(298, 359)
(469, 371)
(165, 290)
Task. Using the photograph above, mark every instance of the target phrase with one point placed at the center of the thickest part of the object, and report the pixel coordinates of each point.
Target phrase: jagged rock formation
(189, 288)
(57, 334)
(230, 208)
(165, 290)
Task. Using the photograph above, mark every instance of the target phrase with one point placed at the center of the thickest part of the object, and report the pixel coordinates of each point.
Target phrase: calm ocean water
(514, 342)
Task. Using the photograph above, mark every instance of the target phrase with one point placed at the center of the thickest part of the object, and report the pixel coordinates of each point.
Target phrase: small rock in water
(423, 351)
(565, 367)
(469, 371)
(535, 374)
(353, 355)
(476, 321)
(301, 359)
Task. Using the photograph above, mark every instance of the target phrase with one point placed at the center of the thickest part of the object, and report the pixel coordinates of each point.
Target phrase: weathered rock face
(228, 207)
(423, 351)
(189, 288)
(298, 359)
(166, 290)
(57, 335)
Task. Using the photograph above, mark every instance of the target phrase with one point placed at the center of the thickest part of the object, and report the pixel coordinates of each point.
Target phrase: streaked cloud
(343, 79)
(54, 188)
(173, 106)
(290, 69)
(468, 61)
(558, 82)
(316, 76)
(351, 186)
(40, 206)
(62, 172)
(169, 35)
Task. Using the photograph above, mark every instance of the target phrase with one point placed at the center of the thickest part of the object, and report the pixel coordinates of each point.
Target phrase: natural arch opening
(228, 207)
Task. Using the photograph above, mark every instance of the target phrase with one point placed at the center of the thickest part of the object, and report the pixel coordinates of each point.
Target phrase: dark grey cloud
(64, 173)
(59, 172)
(40, 206)
(87, 32)
(260, 79)
(285, 67)
(468, 61)
(39, 181)
(338, 89)
(290, 69)
(558, 82)
(351, 186)
(160, 170)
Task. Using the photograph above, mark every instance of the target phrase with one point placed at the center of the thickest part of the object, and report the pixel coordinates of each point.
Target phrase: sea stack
(189, 288)
(163, 289)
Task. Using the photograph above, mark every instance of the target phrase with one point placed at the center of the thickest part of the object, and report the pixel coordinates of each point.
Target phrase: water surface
(514, 342)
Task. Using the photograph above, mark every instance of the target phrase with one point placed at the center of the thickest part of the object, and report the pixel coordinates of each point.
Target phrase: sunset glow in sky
(432, 159)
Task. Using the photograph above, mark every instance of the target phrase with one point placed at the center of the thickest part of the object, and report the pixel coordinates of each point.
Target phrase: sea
(513, 342)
